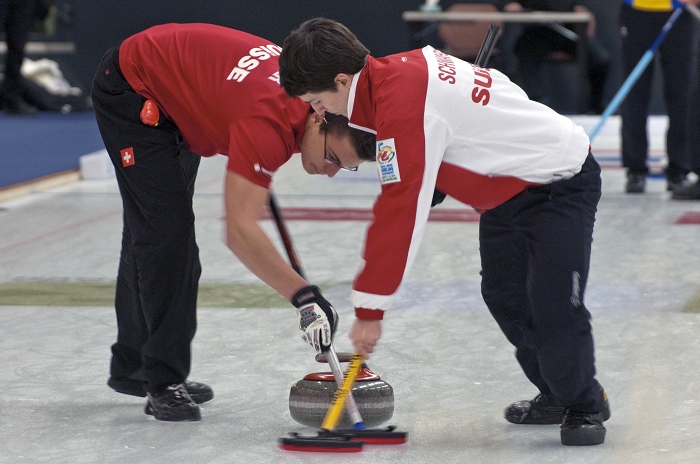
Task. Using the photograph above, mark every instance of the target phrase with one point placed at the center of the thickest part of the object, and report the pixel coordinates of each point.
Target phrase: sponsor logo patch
(388, 162)
(263, 171)
(307, 316)
(127, 157)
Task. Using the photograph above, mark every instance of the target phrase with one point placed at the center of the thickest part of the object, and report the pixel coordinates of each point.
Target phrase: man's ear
(318, 117)
(343, 80)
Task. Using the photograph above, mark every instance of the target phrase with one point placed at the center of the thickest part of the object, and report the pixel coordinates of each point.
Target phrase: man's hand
(591, 28)
(317, 318)
(364, 335)
(513, 7)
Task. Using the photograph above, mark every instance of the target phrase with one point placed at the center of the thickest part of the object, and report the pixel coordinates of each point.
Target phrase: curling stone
(310, 397)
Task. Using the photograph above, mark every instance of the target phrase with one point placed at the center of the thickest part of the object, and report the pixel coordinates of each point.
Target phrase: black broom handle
(286, 238)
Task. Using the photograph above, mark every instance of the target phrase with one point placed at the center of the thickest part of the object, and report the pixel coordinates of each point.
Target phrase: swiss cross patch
(127, 156)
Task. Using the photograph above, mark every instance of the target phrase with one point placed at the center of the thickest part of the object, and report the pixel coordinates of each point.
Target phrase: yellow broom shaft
(336, 410)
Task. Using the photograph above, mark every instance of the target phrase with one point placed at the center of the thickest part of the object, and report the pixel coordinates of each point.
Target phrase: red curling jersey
(442, 122)
(221, 88)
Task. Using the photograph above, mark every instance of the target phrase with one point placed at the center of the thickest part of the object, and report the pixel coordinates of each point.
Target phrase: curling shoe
(582, 428)
(540, 410)
(173, 404)
(687, 191)
(17, 105)
(636, 182)
(199, 392)
(543, 410)
(675, 181)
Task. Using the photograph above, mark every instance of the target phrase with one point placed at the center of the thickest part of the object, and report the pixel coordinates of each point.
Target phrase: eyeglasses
(332, 161)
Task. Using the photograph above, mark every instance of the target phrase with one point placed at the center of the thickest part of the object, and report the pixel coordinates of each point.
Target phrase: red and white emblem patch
(127, 157)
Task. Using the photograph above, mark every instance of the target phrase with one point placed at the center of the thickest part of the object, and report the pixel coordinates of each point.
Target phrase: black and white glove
(317, 318)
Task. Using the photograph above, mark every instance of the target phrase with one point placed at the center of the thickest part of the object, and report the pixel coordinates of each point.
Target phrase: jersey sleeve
(408, 168)
(257, 150)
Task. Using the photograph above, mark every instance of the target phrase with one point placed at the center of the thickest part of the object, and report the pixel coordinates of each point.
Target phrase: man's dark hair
(365, 143)
(315, 53)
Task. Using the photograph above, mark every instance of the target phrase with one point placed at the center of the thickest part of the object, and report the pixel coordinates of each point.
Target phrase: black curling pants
(159, 266)
(535, 255)
(537, 42)
(16, 23)
(693, 139)
(639, 30)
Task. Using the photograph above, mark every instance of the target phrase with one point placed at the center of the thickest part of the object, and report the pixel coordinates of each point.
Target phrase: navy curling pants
(535, 255)
(159, 265)
(641, 28)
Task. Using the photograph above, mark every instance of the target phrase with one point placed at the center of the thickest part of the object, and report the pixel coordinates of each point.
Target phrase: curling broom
(338, 439)
(327, 440)
(635, 74)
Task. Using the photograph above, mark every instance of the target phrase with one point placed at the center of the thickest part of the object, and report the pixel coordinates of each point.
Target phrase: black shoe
(172, 404)
(199, 392)
(636, 182)
(687, 191)
(540, 410)
(543, 410)
(582, 428)
(673, 182)
(18, 106)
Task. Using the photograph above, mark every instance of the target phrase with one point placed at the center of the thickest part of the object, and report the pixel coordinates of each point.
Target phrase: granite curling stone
(310, 397)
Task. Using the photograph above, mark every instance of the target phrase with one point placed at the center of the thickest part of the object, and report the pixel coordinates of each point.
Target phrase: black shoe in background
(17, 105)
(582, 428)
(172, 404)
(199, 392)
(687, 191)
(673, 182)
(636, 182)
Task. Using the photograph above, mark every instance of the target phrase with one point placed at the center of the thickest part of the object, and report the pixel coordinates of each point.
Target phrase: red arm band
(369, 314)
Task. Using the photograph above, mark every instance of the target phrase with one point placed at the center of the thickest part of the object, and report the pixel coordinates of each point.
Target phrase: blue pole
(636, 73)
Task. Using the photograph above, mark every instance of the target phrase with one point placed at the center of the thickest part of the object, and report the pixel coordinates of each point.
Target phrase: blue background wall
(51, 143)
(96, 25)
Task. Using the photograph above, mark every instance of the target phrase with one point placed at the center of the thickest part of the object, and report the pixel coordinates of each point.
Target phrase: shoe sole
(194, 417)
(125, 390)
(553, 419)
(583, 437)
(198, 398)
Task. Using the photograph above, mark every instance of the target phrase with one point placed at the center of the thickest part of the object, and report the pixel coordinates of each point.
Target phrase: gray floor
(451, 369)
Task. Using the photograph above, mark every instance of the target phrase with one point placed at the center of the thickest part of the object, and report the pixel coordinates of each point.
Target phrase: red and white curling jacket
(446, 123)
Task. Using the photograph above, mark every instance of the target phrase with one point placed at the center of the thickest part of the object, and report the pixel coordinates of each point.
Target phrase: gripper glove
(317, 318)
